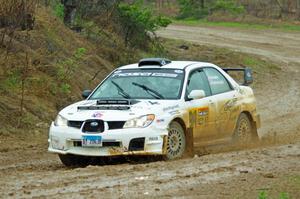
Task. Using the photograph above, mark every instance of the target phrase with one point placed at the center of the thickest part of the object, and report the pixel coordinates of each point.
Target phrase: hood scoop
(117, 102)
(110, 105)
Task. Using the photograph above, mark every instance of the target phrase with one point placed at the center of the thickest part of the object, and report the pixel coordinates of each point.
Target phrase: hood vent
(117, 102)
(110, 105)
(121, 108)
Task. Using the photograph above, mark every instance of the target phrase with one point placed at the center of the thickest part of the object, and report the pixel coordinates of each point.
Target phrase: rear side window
(217, 81)
(198, 81)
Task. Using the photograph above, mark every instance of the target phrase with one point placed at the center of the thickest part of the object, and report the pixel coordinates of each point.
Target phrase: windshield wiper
(152, 92)
(121, 91)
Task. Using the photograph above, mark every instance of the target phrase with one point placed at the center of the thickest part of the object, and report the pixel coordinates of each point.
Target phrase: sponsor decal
(97, 115)
(178, 71)
(153, 138)
(175, 112)
(164, 75)
(145, 74)
(153, 103)
(202, 116)
(170, 108)
(230, 104)
(198, 116)
(160, 120)
(87, 103)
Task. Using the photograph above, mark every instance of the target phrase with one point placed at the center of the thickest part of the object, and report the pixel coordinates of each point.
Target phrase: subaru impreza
(156, 107)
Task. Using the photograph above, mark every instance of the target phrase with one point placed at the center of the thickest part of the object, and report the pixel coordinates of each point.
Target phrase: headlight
(60, 121)
(140, 122)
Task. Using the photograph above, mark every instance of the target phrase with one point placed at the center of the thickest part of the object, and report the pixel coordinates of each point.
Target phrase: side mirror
(86, 93)
(196, 94)
(248, 77)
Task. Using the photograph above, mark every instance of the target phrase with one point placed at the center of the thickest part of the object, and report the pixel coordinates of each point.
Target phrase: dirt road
(28, 171)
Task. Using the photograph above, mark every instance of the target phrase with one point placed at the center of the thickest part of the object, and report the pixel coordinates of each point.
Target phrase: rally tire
(176, 141)
(245, 132)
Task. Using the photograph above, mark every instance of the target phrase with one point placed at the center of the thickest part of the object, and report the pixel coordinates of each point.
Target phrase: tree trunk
(202, 4)
(298, 9)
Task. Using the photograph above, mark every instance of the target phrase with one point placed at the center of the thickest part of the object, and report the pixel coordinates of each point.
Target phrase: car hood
(88, 109)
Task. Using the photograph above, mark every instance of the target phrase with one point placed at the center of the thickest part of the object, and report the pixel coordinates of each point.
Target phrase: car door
(201, 111)
(226, 99)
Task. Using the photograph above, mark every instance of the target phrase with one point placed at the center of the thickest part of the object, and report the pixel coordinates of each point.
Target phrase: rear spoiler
(248, 77)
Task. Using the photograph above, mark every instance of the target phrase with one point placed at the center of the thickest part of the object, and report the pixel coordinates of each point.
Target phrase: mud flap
(164, 149)
(190, 142)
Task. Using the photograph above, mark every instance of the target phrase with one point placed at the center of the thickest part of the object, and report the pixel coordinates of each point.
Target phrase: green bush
(191, 9)
(201, 9)
(137, 21)
(65, 88)
(262, 195)
(284, 195)
(12, 81)
(67, 68)
(59, 10)
(228, 6)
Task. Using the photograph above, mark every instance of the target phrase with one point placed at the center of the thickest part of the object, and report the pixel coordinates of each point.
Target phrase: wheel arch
(249, 115)
(181, 122)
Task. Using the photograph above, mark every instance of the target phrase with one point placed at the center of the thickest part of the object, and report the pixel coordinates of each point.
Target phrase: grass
(264, 195)
(204, 22)
(295, 180)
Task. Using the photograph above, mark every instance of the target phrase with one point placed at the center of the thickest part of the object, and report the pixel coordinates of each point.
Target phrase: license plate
(91, 141)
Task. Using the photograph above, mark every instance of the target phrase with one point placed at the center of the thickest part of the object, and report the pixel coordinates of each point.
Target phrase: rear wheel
(245, 132)
(74, 160)
(176, 142)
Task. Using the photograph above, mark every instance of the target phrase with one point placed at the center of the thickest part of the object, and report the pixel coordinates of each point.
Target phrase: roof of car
(172, 65)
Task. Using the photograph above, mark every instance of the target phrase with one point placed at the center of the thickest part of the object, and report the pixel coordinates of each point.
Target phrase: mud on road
(28, 171)
(33, 173)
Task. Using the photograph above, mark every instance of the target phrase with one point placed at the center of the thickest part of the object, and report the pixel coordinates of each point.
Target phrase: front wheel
(176, 142)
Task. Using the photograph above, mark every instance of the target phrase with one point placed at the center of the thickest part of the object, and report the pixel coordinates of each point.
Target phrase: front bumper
(67, 140)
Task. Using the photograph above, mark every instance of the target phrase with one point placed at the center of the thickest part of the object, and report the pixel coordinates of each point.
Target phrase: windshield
(141, 84)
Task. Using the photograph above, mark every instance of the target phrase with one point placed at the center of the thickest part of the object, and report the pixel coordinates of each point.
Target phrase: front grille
(115, 125)
(93, 126)
(75, 124)
(104, 144)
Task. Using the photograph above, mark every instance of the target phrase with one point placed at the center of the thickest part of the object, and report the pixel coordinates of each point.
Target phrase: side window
(198, 81)
(217, 81)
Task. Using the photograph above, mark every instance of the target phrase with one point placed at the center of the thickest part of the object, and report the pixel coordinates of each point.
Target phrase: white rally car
(156, 107)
